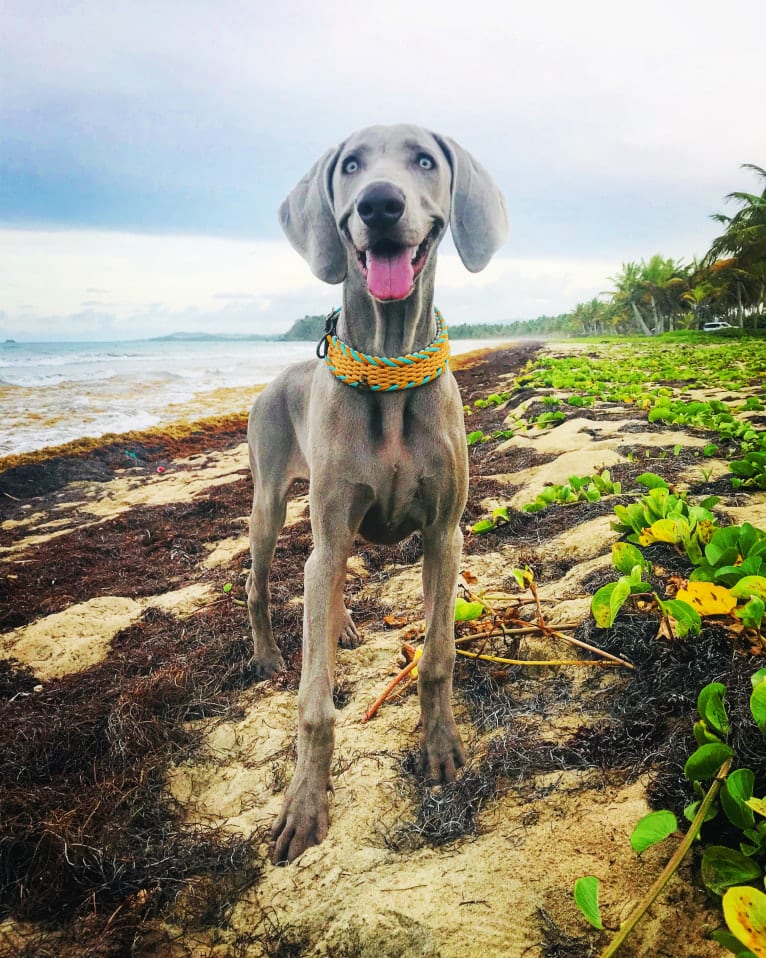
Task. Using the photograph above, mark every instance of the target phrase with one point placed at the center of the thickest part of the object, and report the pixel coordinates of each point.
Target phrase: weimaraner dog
(369, 214)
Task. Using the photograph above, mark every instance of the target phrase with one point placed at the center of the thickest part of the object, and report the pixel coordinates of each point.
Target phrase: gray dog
(369, 214)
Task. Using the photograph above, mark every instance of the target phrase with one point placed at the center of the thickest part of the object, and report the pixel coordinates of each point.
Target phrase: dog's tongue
(390, 276)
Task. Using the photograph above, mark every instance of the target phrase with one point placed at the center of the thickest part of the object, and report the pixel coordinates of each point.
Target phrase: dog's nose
(380, 205)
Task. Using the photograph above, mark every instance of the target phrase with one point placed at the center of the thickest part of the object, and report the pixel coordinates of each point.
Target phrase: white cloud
(149, 285)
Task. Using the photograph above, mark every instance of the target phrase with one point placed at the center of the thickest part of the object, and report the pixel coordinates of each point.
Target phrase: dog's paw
(266, 664)
(442, 754)
(304, 822)
(349, 638)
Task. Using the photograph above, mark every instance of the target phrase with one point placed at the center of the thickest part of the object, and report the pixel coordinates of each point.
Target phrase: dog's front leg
(304, 819)
(442, 751)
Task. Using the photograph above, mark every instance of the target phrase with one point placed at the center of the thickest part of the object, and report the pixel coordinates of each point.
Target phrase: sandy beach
(143, 764)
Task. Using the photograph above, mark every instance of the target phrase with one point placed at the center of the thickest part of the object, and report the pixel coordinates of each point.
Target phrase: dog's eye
(425, 162)
(350, 165)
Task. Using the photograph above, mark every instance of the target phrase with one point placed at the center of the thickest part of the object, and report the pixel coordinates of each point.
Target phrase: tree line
(662, 295)
(656, 295)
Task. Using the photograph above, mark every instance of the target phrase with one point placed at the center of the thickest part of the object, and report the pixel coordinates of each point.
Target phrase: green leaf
(671, 531)
(482, 526)
(726, 940)
(227, 588)
(751, 613)
(523, 577)
(650, 480)
(711, 708)
(723, 867)
(736, 792)
(703, 735)
(608, 601)
(723, 546)
(685, 617)
(757, 677)
(501, 514)
(758, 706)
(586, 899)
(751, 585)
(473, 437)
(626, 556)
(467, 611)
(706, 760)
(651, 829)
(690, 812)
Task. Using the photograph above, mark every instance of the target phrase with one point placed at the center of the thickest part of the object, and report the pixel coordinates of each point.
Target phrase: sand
(489, 893)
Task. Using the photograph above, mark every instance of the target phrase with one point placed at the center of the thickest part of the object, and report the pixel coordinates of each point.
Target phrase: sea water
(52, 393)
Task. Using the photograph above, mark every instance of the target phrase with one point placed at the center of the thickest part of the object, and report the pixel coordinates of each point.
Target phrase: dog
(383, 461)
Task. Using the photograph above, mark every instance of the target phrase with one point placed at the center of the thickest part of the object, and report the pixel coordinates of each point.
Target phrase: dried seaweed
(557, 944)
(87, 827)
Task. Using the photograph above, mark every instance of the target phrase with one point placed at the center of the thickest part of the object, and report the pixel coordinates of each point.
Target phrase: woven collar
(386, 373)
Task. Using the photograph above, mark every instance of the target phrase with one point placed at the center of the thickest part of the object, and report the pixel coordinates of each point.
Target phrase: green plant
(576, 489)
(609, 599)
(665, 516)
(500, 516)
(495, 399)
(731, 554)
(549, 418)
(479, 436)
(730, 574)
(724, 870)
(750, 471)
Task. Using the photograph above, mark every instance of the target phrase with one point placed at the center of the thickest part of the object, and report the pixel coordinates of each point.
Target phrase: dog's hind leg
(275, 461)
(266, 521)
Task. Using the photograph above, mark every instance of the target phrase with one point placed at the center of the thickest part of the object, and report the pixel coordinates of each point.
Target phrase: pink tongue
(390, 277)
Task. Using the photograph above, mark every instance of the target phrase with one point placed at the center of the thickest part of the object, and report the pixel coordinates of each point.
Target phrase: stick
(497, 658)
(589, 648)
(672, 866)
(529, 630)
(388, 690)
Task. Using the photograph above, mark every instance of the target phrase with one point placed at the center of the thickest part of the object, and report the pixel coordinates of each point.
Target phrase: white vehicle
(714, 326)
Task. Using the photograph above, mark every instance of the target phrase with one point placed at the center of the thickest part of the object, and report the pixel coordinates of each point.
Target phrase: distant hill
(311, 329)
(210, 337)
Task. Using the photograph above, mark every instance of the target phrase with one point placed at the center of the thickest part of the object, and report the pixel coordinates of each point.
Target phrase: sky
(145, 147)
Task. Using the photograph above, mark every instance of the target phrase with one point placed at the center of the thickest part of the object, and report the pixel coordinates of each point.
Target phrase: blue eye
(350, 165)
(425, 162)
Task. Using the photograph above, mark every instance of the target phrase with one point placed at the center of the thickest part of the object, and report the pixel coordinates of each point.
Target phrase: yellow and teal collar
(384, 373)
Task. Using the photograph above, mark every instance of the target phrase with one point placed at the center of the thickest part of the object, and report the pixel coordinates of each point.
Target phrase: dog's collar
(384, 373)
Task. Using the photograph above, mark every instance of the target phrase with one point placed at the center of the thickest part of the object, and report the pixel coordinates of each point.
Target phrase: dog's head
(380, 203)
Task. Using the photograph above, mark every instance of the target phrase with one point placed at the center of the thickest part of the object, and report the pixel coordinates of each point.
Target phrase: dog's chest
(403, 493)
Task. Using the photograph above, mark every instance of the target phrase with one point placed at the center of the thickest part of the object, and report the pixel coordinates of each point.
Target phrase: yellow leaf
(416, 658)
(707, 599)
(744, 909)
(663, 530)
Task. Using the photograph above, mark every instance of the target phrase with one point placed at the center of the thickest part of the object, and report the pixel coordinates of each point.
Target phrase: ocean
(51, 393)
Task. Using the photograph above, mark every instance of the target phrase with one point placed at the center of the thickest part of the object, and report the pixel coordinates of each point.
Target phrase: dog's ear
(478, 218)
(308, 220)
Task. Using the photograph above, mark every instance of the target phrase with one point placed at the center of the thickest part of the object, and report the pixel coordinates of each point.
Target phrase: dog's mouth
(391, 269)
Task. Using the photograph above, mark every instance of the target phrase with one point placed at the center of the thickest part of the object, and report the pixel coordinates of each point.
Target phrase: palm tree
(651, 292)
(628, 294)
(745, 234)
(743, 244)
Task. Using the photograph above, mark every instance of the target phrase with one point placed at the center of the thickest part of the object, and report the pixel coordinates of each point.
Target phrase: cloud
(136, 124)
(611, 141)
(181, 283)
